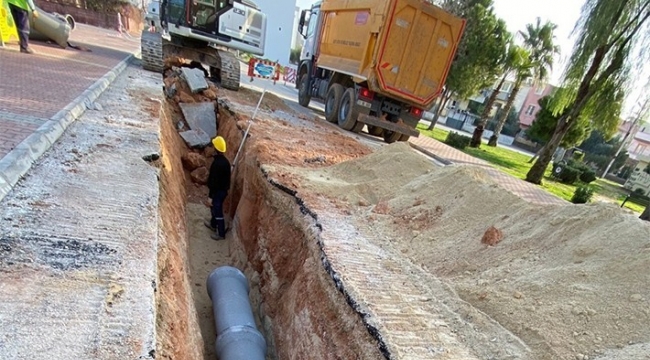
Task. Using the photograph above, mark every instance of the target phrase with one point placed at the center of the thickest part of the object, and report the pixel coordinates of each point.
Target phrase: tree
(646, 214)
(598, 69)
(479, 53)
(522, 67)
(599, 149)
(545, 122)
(507, 64)
(539, 42)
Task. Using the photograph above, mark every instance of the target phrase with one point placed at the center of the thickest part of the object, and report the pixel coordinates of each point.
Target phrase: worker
(218, 184)
(20, 12)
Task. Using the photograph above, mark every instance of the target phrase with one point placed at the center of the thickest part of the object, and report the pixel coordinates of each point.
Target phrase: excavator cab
(203, 31)
(235, 24)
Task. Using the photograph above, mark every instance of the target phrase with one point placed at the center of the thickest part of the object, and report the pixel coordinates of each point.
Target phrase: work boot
(27, 51)
(216, 236)
(209, 226)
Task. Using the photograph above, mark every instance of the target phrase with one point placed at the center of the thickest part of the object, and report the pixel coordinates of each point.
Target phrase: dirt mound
(570, 280)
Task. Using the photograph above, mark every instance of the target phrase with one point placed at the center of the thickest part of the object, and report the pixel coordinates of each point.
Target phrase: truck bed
(402, 48)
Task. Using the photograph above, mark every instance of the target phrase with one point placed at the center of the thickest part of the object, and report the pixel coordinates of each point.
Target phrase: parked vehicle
(376, 62)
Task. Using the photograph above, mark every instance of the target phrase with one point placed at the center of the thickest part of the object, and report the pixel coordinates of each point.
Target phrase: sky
(564, 13)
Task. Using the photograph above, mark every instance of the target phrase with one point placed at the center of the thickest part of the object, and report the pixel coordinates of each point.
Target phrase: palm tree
(538, 42)
(522, 66)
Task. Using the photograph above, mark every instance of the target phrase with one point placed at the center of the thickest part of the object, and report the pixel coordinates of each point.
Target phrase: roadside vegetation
(517, 165)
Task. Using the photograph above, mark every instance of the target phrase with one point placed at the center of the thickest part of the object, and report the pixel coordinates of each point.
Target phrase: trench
(299, 303)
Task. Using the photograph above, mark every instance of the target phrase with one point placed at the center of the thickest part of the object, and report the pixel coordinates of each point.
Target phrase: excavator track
(223, 64)
(152, 52)
(230, 70)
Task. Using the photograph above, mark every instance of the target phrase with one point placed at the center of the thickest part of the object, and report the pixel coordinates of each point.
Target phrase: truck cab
(309, 23)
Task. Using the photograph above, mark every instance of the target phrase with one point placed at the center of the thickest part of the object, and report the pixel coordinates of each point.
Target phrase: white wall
(279, 28)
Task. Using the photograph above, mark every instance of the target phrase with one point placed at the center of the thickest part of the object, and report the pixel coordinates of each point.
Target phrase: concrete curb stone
(429, 153)
(18, 161)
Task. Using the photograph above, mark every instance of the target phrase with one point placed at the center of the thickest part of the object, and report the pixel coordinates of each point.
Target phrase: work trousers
(217, 221)
(21, 19)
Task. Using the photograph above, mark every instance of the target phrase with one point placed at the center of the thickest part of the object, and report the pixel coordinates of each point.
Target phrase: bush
(582, 195)
(576, 164)
(567, 174)
(588, 176)
(458, 141)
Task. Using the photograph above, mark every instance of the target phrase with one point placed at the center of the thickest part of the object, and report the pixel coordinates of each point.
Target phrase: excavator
(205, 32)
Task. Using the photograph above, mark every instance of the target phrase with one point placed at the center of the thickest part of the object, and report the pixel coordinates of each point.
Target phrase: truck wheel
(404, 137)
(304, 91)
(348, 113)
(375, 131)
(358, 127)
(391, 136)
(332, 102)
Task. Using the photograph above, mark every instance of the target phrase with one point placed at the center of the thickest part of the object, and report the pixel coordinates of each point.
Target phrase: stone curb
(19, 160)
(429, 153)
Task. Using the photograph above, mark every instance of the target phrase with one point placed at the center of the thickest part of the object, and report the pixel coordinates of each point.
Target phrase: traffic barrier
(263, 69)
(290, 75)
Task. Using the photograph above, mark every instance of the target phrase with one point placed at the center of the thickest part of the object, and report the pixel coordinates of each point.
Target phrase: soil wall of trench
(275, 242)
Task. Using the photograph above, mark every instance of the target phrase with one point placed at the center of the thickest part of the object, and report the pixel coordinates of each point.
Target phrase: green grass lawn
(517, 165)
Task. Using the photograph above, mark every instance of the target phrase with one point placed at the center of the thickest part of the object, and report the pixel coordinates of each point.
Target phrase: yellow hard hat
(219, 144)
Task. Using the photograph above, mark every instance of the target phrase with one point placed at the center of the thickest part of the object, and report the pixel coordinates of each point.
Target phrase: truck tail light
(417, 112)
(366, 94)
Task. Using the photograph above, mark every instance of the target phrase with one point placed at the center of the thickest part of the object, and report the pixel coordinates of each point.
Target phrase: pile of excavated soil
(571, 281)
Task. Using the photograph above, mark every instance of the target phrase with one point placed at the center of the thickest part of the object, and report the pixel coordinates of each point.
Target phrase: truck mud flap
(390, 126)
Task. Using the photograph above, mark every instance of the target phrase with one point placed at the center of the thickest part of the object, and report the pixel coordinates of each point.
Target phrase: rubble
(200, 175)
(195, 78)
(193, 161)
(201, 116)
(195, 138)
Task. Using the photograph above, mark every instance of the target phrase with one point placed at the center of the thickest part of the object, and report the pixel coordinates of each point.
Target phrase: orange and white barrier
(263, 69)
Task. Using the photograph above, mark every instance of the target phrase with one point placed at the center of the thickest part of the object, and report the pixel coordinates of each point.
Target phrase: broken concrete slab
(195, 79)
(201, 116)
(195, 138)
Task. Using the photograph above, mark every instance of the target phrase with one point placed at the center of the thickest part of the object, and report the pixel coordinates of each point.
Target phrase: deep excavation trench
(299, 307)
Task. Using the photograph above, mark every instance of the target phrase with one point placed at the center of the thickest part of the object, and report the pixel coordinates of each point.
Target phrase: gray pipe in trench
(237, 334)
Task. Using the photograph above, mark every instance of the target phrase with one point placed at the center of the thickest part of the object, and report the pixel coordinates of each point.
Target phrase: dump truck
(378, 63)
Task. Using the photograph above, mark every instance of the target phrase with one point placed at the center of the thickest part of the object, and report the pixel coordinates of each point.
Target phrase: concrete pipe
(49, 27)
(237, 334)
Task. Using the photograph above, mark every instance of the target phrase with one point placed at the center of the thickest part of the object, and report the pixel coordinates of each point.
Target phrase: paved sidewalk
(448, 154)
(79, 234)
(42, 94)
(34, 88)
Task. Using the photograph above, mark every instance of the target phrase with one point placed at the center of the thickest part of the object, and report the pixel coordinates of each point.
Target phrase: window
(539, 90)
(506, 87)
(530, 110)
(313, 20)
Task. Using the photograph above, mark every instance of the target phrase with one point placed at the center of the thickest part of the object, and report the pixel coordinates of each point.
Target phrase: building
(640, 144)
(530, 106)
(639, 180)
(502, 97)
(280, 23)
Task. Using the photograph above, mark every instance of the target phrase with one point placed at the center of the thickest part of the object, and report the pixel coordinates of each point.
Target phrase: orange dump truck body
(402, 48)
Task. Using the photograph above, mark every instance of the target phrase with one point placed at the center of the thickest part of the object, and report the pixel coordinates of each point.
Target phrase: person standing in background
(20, 12)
